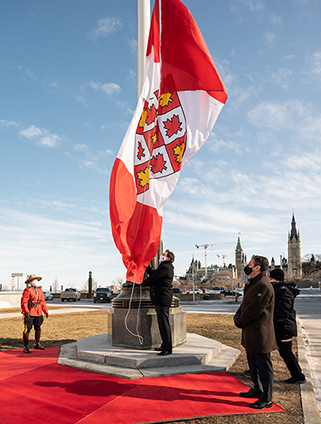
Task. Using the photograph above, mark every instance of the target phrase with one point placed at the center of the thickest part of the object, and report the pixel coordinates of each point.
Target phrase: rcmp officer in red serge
(33, 304)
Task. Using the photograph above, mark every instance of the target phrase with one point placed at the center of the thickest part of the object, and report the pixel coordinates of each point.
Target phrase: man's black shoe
(252, 393)
(158, 349)
(295, 380)
(26, 350)
(261, 404)
(164, 352)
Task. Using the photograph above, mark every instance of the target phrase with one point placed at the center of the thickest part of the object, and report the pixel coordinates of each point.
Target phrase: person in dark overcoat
(255, 317)
(285, 323)
(161, 295)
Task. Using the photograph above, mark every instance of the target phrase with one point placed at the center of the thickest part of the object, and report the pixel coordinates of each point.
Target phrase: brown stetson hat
(32, 277)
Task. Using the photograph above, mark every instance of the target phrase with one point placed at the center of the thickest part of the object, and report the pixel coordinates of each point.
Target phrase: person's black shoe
(38, 346)
(252, 393)
(158, 349)
(295, 380)
(164, 352)
(261, 404)
(26, 350)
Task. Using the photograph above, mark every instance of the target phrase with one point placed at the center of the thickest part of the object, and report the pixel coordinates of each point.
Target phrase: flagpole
(143, 31)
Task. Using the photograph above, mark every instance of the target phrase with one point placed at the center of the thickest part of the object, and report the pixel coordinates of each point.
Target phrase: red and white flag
(180, 101)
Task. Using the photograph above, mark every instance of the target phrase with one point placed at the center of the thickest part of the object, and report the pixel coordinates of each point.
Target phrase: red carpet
(35, 389)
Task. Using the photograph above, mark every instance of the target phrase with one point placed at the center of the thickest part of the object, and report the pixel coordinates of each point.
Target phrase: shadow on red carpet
(68, 395)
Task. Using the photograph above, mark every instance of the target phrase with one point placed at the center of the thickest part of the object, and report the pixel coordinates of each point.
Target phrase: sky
(68, 90)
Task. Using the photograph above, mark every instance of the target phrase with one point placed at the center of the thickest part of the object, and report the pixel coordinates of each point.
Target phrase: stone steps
(197, 354)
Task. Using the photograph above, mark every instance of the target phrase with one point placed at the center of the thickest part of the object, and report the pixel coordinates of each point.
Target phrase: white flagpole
(143, 31)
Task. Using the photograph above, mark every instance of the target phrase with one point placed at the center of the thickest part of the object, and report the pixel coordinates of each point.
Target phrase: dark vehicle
(102, 294)
(232, 293)
(219, 289)
(176, 290)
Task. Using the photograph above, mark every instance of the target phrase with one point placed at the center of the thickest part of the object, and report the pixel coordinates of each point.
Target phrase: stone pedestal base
(118, 335)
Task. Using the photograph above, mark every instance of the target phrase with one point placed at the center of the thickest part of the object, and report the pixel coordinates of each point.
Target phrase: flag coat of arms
(180, 101)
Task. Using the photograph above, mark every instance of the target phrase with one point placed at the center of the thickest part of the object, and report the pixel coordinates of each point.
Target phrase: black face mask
(248, 270)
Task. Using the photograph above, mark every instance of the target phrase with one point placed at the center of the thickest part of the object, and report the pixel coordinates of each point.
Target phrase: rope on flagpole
(139, 336)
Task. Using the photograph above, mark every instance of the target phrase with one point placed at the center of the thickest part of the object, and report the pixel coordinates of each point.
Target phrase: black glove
(237, 322)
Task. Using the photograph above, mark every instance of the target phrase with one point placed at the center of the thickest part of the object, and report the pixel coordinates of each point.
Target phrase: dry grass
(57, 330)
(61, 329)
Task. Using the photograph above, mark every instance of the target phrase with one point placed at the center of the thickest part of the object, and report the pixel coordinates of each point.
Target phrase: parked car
(70, 294)
(177, 290)
(197, 291)
(218, 289)
(232, 293)
(47, 295)
(102, 294)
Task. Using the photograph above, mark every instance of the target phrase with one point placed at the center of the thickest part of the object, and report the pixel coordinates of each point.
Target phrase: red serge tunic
(33, 302)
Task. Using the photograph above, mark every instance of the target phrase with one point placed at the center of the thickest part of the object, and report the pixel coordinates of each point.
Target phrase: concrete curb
(310, 408)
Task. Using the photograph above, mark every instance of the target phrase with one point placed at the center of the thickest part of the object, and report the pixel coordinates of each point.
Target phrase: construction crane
(223, 257)
(205, 251)
(205, 246)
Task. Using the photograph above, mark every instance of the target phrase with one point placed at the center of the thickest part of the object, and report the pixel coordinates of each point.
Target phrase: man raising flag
(181, 99)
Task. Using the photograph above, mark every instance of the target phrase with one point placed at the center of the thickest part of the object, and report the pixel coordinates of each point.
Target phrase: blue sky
(68, 90)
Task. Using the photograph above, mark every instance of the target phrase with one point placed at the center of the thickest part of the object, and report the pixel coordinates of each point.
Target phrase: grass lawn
(62, 328)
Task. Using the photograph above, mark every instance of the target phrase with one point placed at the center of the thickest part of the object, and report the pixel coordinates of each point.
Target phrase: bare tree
(55, 285)
(118, 283)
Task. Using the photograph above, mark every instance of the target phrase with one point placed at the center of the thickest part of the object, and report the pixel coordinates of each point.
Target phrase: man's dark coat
(255, 316)
(161, 283)
(284, 313)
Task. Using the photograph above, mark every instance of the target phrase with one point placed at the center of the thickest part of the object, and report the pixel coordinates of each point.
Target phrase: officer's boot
(25, 343)
(37, 344)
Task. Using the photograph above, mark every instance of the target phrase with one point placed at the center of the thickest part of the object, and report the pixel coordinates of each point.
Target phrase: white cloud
(280, 77)
(252, 5)
(133, 45)
(316, 63)
(275, 19)
(81, 147)
(7, 124)
(41, 136)
(306, 161)
(31, 74)
(269, 38)
(31, 132)
(221, 145)
(108, 88)
(278, 116)
(105, 27)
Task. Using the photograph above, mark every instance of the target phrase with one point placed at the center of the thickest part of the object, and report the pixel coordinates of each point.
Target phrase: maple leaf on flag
(172, 126)
(179, 150)
(140, 153)
(154, 138)
(165, 99)
(143, 119)
(143, 177)
(151, 113)
(158, 163)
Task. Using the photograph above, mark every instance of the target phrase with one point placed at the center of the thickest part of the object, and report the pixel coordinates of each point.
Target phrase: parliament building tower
(294, 251)
(239, 260)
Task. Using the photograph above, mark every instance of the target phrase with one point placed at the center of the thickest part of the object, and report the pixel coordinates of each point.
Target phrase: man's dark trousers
(285, 350)
(262, 375)
(164, 327)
